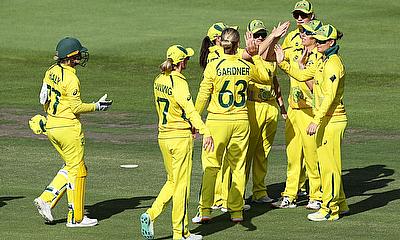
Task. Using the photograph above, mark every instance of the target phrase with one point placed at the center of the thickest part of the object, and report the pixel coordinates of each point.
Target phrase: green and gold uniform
(299, 145)
(226, 81)
(176, 114)
(291, 43)
(215, 52)
(65, 133)
(330, 115)
(292, 40)
(222, 182)
(263, 112)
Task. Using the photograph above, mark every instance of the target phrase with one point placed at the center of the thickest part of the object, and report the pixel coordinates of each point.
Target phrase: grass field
(127, 41)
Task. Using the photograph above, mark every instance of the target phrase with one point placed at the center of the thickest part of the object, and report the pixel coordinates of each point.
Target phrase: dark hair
(204, 51)
(339, 34)
(230, 40)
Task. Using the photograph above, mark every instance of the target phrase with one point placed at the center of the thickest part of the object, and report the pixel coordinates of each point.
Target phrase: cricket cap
(178, 53)
(312, 25)
(256, 25)
(216, 30)
(303, 6)
(326, 32)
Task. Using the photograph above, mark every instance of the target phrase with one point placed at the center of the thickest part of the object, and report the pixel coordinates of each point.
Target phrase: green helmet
(71, 47)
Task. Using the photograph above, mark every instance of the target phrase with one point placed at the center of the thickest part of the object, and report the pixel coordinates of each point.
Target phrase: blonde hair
(230, 40)
(167, 66)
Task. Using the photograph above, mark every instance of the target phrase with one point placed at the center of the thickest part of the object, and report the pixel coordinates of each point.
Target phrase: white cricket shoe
(44, 209)
(147, 227)
(193, 237)
(216, 207)
(284, 202)
(86, 222)
(318, 217)
(264, 199)
(223, 209)
(314, 205)
(302, 193)
(198, 219)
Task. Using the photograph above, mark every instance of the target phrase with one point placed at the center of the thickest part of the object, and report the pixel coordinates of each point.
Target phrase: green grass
(127, 41)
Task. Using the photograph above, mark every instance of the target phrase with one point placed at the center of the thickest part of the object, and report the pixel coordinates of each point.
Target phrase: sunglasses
(306, 32)
(260, 34)
(301, 14)
(322, 41)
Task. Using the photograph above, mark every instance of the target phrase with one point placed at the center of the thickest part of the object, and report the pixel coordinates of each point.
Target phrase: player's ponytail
(339, 35)
(167, 66)
(204, 51)
(230, 40)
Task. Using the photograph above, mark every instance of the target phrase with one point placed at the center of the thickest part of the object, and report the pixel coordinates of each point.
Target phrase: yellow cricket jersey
(261, 92)
(214, 53)
(226, 81)
(64, 96)
(292, 40)
(175, 108)
(328, 88)
(300, 95)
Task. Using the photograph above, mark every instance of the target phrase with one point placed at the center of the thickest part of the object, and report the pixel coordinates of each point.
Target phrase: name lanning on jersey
(233, 71)
(163, 88)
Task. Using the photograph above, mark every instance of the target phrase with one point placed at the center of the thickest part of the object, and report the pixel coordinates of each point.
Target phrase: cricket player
(61, 98)
(303, 12)
(226, 81)
(224, 180)
(329, 121)
(299, 145)
(177, 115)
(211, 45)
(263, 111)
(212, 50)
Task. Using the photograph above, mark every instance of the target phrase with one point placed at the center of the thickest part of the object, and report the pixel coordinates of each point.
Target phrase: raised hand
(281, 29)
(280, 55)
(251, 47)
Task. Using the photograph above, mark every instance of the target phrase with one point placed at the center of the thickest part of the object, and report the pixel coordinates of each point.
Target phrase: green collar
(332, 50)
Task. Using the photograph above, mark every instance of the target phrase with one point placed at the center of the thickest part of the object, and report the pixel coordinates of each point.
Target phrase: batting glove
(103, 104)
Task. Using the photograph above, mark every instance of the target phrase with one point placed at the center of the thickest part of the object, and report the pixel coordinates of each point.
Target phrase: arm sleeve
(331, 83)
(184, 99)
(74, 96)
(205, 90)
(299, 74)
(259, 73)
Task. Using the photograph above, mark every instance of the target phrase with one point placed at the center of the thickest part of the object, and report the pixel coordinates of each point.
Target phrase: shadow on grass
(3, 200)
(360, 181)
(108, 208)
(223, 222)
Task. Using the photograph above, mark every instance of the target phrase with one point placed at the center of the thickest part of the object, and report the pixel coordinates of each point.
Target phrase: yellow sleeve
(73, 94)
(260, 72)
(184, 99)
(285, 43)
(301, 75)
(205, 90)
(331, 77)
